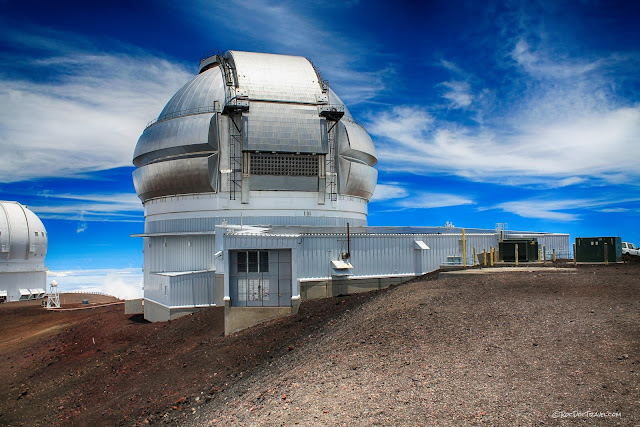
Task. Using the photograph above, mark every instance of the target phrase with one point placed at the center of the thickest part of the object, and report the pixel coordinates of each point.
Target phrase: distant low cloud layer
(123, 283)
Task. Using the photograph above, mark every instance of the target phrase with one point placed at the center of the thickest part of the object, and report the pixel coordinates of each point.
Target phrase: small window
(253, 261)
(36, 234)
(264, 262)
(242, 262)
(165, 291)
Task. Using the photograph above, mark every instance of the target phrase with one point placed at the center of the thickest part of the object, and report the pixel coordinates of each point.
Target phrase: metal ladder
(235, 154)
(332, 185)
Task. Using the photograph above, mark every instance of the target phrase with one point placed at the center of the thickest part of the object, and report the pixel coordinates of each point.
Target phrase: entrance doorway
(260, 278)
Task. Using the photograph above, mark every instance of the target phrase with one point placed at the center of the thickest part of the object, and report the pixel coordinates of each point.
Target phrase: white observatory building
(23, 246)
(250, 178)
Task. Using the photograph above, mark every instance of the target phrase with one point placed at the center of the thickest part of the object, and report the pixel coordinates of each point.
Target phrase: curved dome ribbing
(23, 237)
(250, 124)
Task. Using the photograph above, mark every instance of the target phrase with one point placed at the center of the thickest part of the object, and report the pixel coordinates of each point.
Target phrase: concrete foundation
(155, 312)
(329, 288)
(239, 318)
(134, 306)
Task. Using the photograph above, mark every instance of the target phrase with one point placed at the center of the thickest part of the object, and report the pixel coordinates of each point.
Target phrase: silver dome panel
(287, 128)
(271, 77)
(356, 144)
(202, 91)
(202, 142)
(357, 179)
(180, 176)
(189, 134)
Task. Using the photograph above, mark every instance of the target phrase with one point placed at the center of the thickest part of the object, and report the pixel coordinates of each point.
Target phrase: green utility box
(592, 249)
(527, 250)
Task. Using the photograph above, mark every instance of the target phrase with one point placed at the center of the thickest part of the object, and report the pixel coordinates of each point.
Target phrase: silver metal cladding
(357, 179)
(175, 137)
(198, 144)
(202, 91)
(179, 176)
(279, 78)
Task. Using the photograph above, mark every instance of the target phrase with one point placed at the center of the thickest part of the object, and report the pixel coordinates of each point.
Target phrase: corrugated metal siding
(12, 282)
(193, 289)
(154, 288)
(551, 241)
(371, 255)
(180, 253)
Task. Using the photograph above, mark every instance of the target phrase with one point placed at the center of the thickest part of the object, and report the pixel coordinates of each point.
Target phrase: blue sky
(526, 113)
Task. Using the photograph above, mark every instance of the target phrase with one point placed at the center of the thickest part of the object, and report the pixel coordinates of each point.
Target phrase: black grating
(284, 164)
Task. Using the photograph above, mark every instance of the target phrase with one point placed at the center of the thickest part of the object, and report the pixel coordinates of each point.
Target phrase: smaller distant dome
(23, 237)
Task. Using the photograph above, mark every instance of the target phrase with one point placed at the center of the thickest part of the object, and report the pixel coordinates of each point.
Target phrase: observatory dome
(23, 237)
(23, 246)
(258, 136)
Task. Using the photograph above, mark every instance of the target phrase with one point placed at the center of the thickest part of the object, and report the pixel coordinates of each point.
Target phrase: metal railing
(209, 54)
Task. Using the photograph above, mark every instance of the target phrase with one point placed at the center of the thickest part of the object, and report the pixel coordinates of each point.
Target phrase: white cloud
(82, 227)
(124, 207)
(562, 209)
(540, 63)
(389, 191)
(600, 145)
(433, 200)
(614, 210)
(123, 283)
(292, 27)
(458, 93)
(542, 209)
(86, 116)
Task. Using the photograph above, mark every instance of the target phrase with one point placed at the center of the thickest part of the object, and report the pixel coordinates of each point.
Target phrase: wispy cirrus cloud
(122, 207)
(396, 197)
(458, 93)
(69, 108)
(551, 119)
(562, 210)
(389, 191)
(291, 27)
(597, 145)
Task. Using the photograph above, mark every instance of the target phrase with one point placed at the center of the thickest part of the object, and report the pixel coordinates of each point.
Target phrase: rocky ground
(503, 348)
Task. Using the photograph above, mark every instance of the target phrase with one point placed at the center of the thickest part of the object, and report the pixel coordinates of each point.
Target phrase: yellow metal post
(606, 255)
(554, 254)
(474, 256)
(484, 255)
(539, 255)
(464, 249)
(491, 256)
(516, 254)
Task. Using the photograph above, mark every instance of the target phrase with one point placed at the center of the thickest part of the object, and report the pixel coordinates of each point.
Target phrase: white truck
(630, 248)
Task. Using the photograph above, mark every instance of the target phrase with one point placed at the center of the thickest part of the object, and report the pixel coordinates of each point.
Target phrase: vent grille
(284, 164)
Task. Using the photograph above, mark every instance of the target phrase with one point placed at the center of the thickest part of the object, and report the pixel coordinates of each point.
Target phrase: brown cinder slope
(500, 349)
(494, 349)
